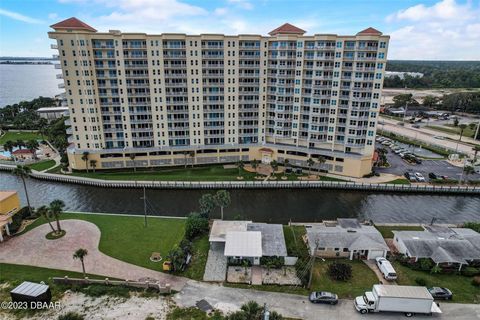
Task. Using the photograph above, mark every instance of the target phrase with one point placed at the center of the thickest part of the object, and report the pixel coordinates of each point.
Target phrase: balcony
(55, 56)
(61, 86)
(53, 46)
(67, 122)
(70, 139)
(59, 76)
(57, 66)
(69, 131)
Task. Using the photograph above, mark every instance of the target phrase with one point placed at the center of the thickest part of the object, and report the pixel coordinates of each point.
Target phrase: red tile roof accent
(287, 28)
(370, 31)
(72, 23)
(22, 151)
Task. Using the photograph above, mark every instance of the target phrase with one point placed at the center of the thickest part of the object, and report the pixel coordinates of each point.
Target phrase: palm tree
(9, 145)
(285, 164)
(310, 163)
(45, 213)
(475, 150)
(132, 157)
(462, 127)
(24, 172)
(32, 145)
(240, 166)
(56, 207)
(93, 164)
(85, 158)
(274, 166)
(19, 143)
(185, 154)
(43, 127)
(254, 164)
(222, 199)
(80, 254)
(252, 310)
(467, 171)
(321, 160)
(192, 155)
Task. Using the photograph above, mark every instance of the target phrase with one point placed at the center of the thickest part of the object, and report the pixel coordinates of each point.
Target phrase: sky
(419, 30)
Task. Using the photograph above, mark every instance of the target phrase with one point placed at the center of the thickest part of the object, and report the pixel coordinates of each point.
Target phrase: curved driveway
(32, 248)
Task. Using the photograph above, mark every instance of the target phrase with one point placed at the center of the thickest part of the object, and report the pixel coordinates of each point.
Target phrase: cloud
(52, 16)
(244, 4)
(444, 31)
(18, 16)
(220, 11)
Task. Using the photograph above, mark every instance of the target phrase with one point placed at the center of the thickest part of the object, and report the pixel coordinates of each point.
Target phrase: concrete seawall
(412, 188)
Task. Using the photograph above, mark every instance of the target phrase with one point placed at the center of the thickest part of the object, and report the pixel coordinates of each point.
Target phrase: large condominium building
(168, 99)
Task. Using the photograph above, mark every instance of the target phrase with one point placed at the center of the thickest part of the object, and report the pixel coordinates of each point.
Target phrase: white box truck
(390, 298)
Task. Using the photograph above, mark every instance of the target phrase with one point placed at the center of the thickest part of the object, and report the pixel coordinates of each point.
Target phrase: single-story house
(346, 238)
(445, 246)
(247, 240)
(9, 205)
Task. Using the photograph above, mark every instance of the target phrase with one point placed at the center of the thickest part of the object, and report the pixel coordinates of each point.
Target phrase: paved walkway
(256, 275)
(216, 267)
(32, 248)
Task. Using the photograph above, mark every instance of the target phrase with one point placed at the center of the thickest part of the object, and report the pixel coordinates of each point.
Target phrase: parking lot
(398, 166)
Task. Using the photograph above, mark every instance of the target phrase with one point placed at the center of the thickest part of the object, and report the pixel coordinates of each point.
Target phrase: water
(278, 206)
(26, 82)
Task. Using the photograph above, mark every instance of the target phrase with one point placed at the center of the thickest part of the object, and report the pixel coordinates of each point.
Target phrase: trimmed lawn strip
(363, 278)
(125, 237)
(24, 136)
(294, 242)
(42, 165)
(399, 138)
(398, 181)
(387, 233)
(461, 286)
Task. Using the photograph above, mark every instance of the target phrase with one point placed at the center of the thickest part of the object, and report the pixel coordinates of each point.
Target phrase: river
(277, 206)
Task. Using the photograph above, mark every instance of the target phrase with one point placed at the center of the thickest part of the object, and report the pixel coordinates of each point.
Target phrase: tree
(177, 257)
(285, 165)
(240, 166)
(475, 151)
(245, 265)
(56, 208)
(462, 128)
(195, 225)
(274, 166)
(252, 310)
(93, 164)
(340, 271)
(24, 172)
(254, 164)
(321, 160)
(455, 122)
(310, 163)
(222, 199)
(185, 154)
(402, 100)
(45, 213)
(42, 125)
(9, 145)
(207, 204)
(80, 254)
(430, 101)
(132, 157)
(192, 156)
(32, 145)
(468, 170)
(85, 158)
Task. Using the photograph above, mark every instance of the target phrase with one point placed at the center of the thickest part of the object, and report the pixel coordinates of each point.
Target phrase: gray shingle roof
(273, 240)
(30, 289)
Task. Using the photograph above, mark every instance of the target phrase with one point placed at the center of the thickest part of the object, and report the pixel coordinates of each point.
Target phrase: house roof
(22, 151)
(30, 289)
(346, 233)
(273, 240)
(287, 28)
(72, 23)
(6, 194)
(243, 244)
(220, 228)
(370, 31)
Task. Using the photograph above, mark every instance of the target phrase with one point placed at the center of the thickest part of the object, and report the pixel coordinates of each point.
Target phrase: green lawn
(461, 286)
(126, 238)
(42, 165)
(14, 136)
(363, 278)
(398, 181)
(386, 231)
(294, 242)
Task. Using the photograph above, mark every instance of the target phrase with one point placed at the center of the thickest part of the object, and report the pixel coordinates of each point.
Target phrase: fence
(126, 283)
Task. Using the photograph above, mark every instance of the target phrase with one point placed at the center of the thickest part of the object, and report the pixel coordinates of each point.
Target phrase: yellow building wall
(9, 205)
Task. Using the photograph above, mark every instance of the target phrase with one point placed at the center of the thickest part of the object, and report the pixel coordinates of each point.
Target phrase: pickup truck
(409, 300)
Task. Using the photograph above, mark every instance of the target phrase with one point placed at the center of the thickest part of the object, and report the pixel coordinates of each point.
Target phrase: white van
(386, 268)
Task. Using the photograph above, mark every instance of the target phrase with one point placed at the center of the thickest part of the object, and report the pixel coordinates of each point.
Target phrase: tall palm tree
(9, 145)
(192, 156)
(285, 165)
(254, 164)
(321, 160)
(93, 164)
(24, 172)
(32, 145)
(274, 166)
(240, 166)
(80, 254)
(85, 158)
(252, 310)
(462, 127)
(19, 143)
(132, 157)
(42, 127)
(475, 150)
(310, 163)
(56, 208)
(45, 213)
(222, 199)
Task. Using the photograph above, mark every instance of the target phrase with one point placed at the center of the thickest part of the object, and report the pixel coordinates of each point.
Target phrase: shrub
(476, 281)
(470, 271)
(472, 225)
(273, 262)
(340, 271)
(71, 316)
(425, 264)
(435, 269)
(195, 226)
(421, 282)
(16, 223)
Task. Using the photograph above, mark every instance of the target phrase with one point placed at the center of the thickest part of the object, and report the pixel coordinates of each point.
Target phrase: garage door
(372, 254)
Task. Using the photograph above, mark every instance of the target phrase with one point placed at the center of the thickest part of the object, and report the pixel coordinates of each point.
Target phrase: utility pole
(266, 313)
(314, 255)
(145, 207)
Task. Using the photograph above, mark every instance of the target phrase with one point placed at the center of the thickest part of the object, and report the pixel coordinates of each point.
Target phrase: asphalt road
(297, 306)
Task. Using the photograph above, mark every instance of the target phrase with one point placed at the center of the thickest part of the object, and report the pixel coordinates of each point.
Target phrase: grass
(24, 136)
(398, 181)
(293, 238)
(387, 233)
(42, 165)
(461, 286)
(363, 278)
(196, 269)
(54, 235)
(126, 238)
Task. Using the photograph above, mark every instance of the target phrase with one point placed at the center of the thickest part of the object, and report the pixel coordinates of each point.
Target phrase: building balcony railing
(53, 46)
(59, 76)
(57, 66)
(61, 86)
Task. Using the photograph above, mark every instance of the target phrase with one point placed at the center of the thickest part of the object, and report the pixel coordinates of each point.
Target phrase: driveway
(298, 307)
(32, 248)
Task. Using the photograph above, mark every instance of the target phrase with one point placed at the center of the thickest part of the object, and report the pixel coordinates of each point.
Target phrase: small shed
(30, 291)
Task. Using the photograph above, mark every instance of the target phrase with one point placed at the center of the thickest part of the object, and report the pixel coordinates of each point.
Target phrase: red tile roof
(22, 151)
(370, 31)
(287, 28)
(72, 23)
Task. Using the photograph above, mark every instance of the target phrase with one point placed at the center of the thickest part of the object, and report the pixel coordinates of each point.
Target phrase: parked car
(410, 176)
(417, 160)
(386, 268)
(323, 297)
(416, 126)
(419, 177)
(440, 293)
(432, 175)
(439, 137)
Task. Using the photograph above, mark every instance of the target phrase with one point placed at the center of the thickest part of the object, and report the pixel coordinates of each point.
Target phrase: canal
(260, 205)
